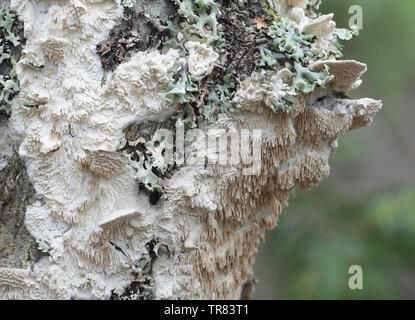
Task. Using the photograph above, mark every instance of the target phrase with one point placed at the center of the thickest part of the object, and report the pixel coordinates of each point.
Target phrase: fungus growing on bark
(99, 167)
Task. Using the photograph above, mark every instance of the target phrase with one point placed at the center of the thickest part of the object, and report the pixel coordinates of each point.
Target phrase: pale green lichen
(155, 160)
(9, 88)
(283, 105)
(288, 44)
(157, 148)
(306, 80)
(219, 100)
(195, 9)
(42, 245)
(9, 84)
(146, 177)
(289, 41)
(342, 34)
(268, 58)
(181, 91)
(301, 50)
(129, 3)
(288, 48)
(346, 34)
(200, 24)
(7, 18)
(186, 118)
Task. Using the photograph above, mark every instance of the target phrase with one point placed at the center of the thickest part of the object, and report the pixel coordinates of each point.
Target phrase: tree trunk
(92, 206)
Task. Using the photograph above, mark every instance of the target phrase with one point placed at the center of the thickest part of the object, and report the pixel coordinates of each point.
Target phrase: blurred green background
(364, 213)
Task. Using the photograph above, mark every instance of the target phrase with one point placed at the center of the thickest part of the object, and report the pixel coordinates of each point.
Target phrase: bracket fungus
(106, 191)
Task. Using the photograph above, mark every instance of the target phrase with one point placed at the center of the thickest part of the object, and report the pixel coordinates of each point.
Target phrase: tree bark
(89, 206)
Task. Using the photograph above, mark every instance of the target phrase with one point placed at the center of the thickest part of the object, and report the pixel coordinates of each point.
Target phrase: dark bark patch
(241, 35)
(17, 247)
(143, 288)
(138, 31)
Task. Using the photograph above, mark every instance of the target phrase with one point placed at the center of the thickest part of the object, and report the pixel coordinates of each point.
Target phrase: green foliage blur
(323, 233)
(364, 213)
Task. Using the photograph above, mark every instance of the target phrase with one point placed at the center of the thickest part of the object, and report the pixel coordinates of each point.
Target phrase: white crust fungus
(90, 211)
(201, 58)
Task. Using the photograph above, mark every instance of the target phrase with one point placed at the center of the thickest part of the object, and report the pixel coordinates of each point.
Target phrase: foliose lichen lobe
(10, 51)
(94, 159)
